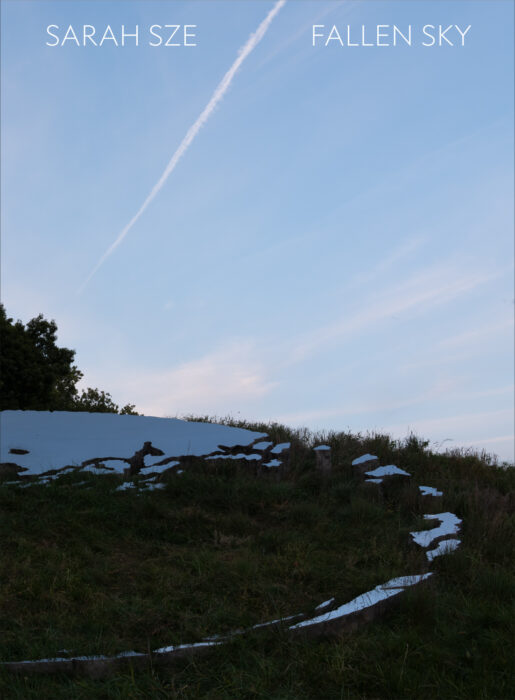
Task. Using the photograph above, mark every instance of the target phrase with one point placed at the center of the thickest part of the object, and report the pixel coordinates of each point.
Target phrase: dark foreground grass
(92, 570)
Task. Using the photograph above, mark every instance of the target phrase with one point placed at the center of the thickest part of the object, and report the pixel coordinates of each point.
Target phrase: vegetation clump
(36, 374)
(101, 571)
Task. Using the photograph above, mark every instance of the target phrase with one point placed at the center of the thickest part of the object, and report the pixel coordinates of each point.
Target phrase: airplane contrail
(218, 94)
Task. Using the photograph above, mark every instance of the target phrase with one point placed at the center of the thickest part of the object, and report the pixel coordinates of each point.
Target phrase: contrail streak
(218, 94)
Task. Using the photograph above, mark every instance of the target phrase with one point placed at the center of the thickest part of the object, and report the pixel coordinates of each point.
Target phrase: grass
(92, 570)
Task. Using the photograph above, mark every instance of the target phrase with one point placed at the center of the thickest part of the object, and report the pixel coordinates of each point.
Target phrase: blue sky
(334, 249)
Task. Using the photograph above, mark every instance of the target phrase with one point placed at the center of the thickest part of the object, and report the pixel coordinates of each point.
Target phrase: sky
(333, 249)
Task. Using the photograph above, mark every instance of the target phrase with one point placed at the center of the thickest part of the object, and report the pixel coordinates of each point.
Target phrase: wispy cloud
(209, 384)
(404, 250)
(473, 337)
(510, 389)
(456, 349)
(457, 426)
(487, 441)
(437, 285)
(352, 407)
(217, 96)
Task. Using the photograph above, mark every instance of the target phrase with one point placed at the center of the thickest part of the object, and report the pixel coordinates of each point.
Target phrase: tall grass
(94, 570)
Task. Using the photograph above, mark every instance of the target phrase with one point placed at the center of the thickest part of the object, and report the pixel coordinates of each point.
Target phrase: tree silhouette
(36, 374)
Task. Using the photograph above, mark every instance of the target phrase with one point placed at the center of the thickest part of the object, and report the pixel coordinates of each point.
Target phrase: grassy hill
(93, 570)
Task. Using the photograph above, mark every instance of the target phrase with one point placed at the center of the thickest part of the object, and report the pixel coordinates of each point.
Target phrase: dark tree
(36, 374)
(98, 401)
